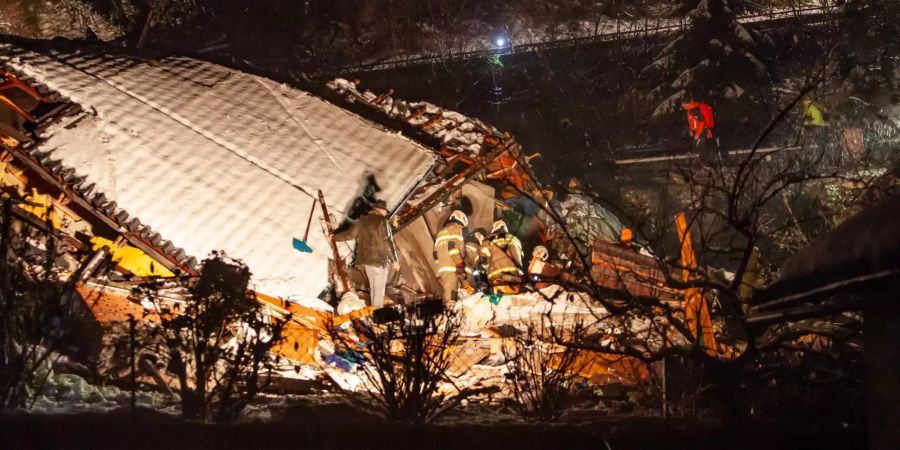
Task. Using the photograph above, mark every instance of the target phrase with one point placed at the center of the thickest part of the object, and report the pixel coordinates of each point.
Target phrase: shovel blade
(302, 246)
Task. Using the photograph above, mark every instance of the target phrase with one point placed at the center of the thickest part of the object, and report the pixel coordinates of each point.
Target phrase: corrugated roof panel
(216, 159)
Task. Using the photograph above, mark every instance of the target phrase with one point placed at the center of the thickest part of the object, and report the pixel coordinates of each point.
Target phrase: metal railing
(625, 30)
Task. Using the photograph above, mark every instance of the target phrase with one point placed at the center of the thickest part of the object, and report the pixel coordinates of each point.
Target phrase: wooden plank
(408, 215)
(358, 314)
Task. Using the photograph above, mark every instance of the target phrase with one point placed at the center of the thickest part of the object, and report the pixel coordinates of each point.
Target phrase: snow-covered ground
(65, 393)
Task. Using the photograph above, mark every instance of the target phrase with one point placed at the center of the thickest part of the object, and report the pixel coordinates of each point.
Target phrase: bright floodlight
(500, 42)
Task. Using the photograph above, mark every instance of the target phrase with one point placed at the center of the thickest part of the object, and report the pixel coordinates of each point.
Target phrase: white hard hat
(460, 217)
(500, 224)
(541, 252)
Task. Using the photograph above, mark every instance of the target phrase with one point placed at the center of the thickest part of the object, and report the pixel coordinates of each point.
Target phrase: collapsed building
(156, 163)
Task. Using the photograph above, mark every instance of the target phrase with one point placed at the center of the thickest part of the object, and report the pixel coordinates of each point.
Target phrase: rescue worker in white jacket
(449, 253)
(504, 254)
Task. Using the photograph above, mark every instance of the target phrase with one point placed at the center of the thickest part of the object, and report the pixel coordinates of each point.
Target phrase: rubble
(457, 132)
(146, 167)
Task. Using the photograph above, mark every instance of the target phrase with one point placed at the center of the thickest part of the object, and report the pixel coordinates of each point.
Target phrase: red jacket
(700, 117)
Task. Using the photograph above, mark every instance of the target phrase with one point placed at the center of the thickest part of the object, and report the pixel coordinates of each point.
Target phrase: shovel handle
(309, 221)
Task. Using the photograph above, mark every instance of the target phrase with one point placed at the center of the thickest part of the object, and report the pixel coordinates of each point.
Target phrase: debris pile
(456, 132)
(474, 236)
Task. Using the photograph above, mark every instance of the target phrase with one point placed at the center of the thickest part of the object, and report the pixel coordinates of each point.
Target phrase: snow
(744, 36)
(758, 65)
(670, 104)
(216, 159)
(70, 394)
(456, 131)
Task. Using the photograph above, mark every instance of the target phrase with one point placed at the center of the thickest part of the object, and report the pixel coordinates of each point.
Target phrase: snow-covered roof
(216, 159)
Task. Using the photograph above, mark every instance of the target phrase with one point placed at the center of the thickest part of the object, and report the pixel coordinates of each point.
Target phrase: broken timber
(411, 213)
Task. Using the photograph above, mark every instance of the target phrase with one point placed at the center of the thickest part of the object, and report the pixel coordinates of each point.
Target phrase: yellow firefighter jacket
(476, 253)
(449, 248)
(504, 255)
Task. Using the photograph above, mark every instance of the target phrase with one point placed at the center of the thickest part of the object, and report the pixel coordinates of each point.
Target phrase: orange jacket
(700, 117)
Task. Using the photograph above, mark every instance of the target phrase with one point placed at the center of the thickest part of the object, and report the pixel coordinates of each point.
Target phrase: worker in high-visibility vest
(449, 254)
(812, 114)
(814, 134)
(504, 253)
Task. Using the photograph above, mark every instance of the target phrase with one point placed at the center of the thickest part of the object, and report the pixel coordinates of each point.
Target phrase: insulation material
(481, 196)
(131, 259)
(216, 159)
(476, 312)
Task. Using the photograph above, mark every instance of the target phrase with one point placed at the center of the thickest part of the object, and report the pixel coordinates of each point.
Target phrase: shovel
(302, 245)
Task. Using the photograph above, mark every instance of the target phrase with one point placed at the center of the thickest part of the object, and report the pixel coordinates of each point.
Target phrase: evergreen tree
(716, 58)
(682, 7)
(870, 31)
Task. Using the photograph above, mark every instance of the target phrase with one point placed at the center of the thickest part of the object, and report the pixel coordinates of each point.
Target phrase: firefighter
(449, 253)
(476, 258)
(504, 254)
(701, 124)
(542, 273)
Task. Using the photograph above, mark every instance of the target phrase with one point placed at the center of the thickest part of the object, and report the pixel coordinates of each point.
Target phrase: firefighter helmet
(460, 217)
(499, 225)
(540, 252)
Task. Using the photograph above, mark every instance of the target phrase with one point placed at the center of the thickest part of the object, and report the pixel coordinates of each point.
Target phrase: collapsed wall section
(216, 159)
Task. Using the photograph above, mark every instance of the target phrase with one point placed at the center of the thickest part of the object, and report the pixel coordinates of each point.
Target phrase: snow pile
(457, 132)
(65, 393)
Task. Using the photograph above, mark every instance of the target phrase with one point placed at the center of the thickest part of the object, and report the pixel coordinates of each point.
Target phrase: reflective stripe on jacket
(449, 248)
(504, 253)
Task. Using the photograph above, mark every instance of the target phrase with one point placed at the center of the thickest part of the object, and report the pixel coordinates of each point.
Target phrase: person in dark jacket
(376, 253)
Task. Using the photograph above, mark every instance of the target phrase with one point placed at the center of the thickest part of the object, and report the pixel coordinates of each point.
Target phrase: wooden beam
(408, 215)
